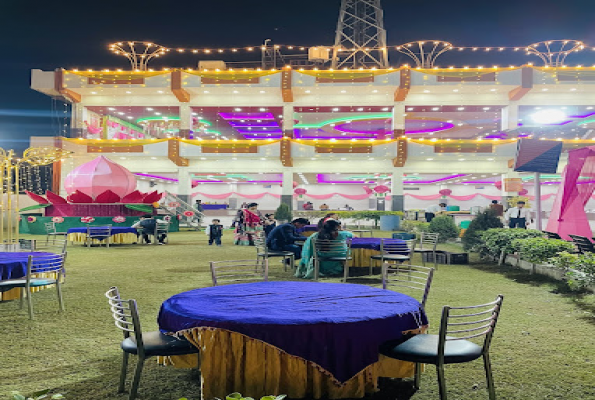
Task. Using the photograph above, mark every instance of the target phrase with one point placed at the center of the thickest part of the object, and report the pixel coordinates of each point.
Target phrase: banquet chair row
(142, 344)
(42, 270)
(453, 344)
(262, 251)
(239, 271)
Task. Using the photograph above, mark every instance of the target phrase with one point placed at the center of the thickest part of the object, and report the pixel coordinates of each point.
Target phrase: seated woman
(330, 231)
(327, 217)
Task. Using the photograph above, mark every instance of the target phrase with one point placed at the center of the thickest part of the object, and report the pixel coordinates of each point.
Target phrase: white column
(399, 116)
(510, 116)
(537, 193)
(398, 200)
(287, 189)
(184, 184)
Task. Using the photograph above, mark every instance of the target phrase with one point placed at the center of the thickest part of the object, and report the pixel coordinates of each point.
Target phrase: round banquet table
(119, 235)
(303, 339)
(13, 265)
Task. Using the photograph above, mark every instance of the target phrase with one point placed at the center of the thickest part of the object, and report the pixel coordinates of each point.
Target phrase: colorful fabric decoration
(80, 198)
(188, 213)
(445, 192)
(380, 189)
(31, 219)
(119, 219)
(54, 198)
(87, 220)
(57, 220)
(39, 199)
(523, 192)
(99, 175)
(107, 197)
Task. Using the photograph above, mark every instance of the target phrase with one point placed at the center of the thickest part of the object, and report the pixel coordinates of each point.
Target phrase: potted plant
(283, 213)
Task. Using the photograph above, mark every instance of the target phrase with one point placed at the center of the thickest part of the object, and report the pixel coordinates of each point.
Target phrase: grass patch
(544, 347)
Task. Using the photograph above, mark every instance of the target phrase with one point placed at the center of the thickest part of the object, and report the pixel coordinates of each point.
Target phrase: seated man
(283, 237)
(147, 223)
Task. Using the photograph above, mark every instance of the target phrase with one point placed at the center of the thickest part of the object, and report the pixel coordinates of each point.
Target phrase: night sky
(75, 34)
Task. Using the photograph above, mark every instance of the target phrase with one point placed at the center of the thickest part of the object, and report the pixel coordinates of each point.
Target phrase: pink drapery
(568, 213)
(347, 196)
(227, 195)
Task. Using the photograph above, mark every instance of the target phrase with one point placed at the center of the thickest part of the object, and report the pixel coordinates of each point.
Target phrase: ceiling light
(238, 109)
(455, 90)
(128, 92)
(551, 116)
(343, 91)
(385, 109)
(486, 108)
(493, 90)
(544, 90)
(429, 159)
(262, 91)
(149, 109)
(461, 108)
(93, 92)
(111, 108)
(129, 117)
(157, 113)
(435, 108)
(206, 92)
(426, 91)
(236, 92)
(374, 91)
(121, 113)
(335, 109)
(307, 91)
(160, 91)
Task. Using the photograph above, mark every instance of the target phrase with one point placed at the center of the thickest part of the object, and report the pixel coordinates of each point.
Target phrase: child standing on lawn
(215, 232)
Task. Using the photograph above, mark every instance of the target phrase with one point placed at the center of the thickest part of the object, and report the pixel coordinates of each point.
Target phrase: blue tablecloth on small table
(116, 230)
(214, 206)
(336, 326)
(374, 243)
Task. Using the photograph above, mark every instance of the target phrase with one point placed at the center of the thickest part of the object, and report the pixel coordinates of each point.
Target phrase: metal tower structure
(361, 38)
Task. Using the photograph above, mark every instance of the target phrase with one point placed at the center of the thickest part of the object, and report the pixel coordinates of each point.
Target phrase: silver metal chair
(452, 344)
(28, 244)
(161, 229)
(50, 230)
(408, 278)
(393, 250)
(143, 345)
(427, 244)
(227, 272)
(262, 251)
(36, 266)
(332, 250)
(99, 233)
(57, 246)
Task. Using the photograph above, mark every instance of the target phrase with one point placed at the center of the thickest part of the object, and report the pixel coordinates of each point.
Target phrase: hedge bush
(283, 213)
(481, 223)
(497, 240)
(445, 226)
(416, 227)
(538, 250)
(579, 268)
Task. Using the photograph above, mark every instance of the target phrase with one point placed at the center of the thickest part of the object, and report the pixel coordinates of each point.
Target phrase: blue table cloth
(374, 243)
(14, 265)
(337, 326)
(116, 230)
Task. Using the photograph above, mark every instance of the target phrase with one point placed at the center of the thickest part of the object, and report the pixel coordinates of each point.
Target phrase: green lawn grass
(544, 346)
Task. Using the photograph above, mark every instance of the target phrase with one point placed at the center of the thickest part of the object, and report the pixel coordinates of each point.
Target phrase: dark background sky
(75, 34)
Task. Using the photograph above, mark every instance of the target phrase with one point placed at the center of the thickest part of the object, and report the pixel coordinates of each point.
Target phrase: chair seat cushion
(423, 251)
(335, 258)
(391, 257)
(158, 344)
(23, 282)
(424, 349)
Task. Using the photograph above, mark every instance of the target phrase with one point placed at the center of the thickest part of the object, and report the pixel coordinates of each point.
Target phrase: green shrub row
(355, 215)
(444, 226)
(579, 268)
(539, 250)
(416, 227)
(498, 240)
(488, 219)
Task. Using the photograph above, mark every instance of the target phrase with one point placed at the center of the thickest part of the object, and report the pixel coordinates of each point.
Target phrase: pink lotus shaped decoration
(368, 190)
(97, 176)
(523, 192)
(498, 185)
(445, 192)
(381, 189)
(99, 181)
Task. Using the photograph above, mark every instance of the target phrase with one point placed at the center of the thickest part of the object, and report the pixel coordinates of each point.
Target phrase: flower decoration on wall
(87, 220)
(381, 189)
(179, 217)
(295, 184)
(445, 192)
(174, 204)
(188, 213)
(498, 185)
(523, 192)
(368, 190)
(167, 218)
(31, 219)
(119, 219)
(300, 192)
(57, 220)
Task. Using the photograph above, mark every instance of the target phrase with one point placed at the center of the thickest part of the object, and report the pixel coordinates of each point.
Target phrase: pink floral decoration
(381, 189)
(174, 204)
(119, 219)
(498, 185)
(167, 218)
(188, 213)
(31, 219)
(295, 184)
(99, 175)
(179, 217)
(368, 190)
(57, 220)
(445, 192)
(300, 191)
(523, 192)
(87, 220)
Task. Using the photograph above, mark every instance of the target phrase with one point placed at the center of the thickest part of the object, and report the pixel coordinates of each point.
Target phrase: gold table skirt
(15, 293)
(361, 257)
(232, 362)
(120, 238)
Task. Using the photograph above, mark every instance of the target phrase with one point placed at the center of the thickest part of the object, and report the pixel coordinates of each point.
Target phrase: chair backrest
(162, 227)
(552, 235)
(428, 241)
(50, 227)
(99, 231)
(125, 314)
(27, 244)
(397, 246)
(38, 264)
(583, 243)
(56, 245)
(260, 243)
(463, 323)
(408, 279)
(226, 272)
(331, 248)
